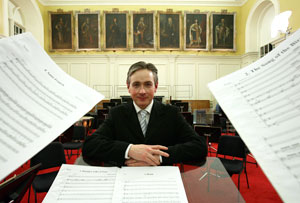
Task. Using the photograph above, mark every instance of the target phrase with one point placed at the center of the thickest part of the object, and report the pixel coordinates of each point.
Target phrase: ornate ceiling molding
(145, 2)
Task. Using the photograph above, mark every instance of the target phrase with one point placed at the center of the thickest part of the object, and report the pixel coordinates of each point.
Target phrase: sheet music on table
(262, 101)
(76, 183)
(38, 100)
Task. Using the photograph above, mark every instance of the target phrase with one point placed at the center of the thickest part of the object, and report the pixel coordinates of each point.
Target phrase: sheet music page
(38, 101)
(149, 184)
(262, 101)
(76, 183)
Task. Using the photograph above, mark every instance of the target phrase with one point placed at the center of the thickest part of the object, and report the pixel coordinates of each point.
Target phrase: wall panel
(185, 83)
(64, 66)
(225, 69)
(180, 76)
(206, 74)
(79, 71)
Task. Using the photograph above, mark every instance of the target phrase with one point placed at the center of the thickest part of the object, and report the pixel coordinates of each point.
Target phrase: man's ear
(156, 85)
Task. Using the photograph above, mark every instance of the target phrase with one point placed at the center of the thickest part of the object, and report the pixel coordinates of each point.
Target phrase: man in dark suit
(144, 132)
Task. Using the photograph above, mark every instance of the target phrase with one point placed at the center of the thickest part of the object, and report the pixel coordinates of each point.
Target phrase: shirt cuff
(127, 151)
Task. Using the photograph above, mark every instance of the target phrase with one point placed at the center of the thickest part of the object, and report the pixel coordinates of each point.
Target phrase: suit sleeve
(103, 146)
(189, 147)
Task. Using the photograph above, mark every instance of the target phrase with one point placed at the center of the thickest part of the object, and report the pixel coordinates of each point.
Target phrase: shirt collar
(148, 108)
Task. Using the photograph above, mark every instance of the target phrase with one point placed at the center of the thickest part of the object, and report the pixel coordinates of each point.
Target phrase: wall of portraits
(142, 30)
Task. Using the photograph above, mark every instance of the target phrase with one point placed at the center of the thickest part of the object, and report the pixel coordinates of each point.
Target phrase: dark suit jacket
(166, 127)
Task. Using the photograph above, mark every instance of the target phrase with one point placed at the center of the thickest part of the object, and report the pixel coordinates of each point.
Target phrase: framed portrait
(87, 30)
(223, 32)
(196, 31)
(116, 30)
(169, 28)
(143, 31)
(61, 31)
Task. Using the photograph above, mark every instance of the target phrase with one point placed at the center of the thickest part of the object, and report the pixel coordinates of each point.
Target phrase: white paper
(263, 103)
(38, 101)
(149, 184)
(76, 183)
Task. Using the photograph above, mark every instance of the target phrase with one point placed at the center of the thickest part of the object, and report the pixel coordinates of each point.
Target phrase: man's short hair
(140, 66)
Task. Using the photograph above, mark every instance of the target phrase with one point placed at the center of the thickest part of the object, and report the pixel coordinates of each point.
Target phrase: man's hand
(133, 162)
(147, 153)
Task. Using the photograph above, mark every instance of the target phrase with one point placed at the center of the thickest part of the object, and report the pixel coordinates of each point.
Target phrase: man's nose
(142, 90)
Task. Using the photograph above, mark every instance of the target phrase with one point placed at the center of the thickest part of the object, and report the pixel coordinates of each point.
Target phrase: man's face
(142, 87)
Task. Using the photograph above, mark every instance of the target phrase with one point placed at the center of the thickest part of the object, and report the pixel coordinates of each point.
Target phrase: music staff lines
(5, 113)
(37, 84)
(284, 78)
(283, 133)
(274, 113)
(25, 65)
(20, 114)
(29, 92)
(261, 95)
(259, 81)
(269, 71)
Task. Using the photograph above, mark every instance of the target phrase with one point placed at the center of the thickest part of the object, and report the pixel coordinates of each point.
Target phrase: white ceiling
(145, 2)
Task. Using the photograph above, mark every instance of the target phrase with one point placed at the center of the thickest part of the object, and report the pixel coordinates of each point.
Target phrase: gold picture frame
(116, 30)
(169, 30)
(87, 30)
(223, 31)
(143, 30)
(196, 31)
(61, 30)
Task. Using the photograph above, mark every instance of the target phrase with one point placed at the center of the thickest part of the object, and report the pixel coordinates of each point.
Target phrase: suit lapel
(133, 123)
(156, 113)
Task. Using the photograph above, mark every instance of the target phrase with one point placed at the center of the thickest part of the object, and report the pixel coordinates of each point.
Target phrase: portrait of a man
(169, 31)
(196, 31)
(87, 30)
(116, 36)
(61, 31)
(223, 31)
(143, 30)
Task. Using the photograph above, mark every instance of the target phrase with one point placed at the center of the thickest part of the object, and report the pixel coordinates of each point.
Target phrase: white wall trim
(132, 56)
(145, 2)
(5, 18)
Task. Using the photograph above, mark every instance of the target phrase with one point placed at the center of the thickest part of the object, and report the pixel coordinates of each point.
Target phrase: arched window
(16, 21)
(258, 27)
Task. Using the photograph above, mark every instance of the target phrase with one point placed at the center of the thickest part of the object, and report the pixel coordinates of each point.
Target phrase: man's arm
(189, 145)
(102, 145)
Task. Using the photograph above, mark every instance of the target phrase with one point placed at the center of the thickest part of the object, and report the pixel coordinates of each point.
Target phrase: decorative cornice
(144, 2)
(157, 56)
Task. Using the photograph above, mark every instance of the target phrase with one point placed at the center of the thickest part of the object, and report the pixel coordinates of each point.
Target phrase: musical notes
(38, 100)
(75, 183)
(262, 101)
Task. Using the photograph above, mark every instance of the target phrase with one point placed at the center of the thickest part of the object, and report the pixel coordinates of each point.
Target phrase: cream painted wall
(1, 17)
(294, 6)
(4, 18)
